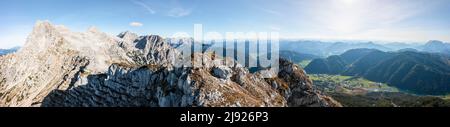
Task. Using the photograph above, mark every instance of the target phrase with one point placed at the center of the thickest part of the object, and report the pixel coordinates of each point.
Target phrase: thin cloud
(273, 12)
(136, 24)
(144, 5)
(179, 12)
(274, 28)
(359, 16)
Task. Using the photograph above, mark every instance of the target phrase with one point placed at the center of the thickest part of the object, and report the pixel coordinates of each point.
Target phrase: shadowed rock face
(297, 89)
(159, 86)
(135, 71)
(303, 93)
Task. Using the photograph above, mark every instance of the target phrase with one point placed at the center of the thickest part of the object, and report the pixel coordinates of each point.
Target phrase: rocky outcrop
(60, 68)
(293, 84)
(158, 86)
(222, 72)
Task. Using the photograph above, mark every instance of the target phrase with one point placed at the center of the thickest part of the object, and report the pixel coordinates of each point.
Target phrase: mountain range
(8, 51)
(417, 72)
(325, 49)
(296, 57)
(60, 68)
(435, 46)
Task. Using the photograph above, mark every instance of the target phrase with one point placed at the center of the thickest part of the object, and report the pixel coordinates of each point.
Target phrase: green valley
(359, 92)
(348, 84)
(416, 72)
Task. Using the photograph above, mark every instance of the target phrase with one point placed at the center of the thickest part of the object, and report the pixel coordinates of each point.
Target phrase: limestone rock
(296, 87)
(222, 72)
(61, 68)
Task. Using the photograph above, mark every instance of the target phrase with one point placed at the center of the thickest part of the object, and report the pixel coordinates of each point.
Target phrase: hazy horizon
(365, 20)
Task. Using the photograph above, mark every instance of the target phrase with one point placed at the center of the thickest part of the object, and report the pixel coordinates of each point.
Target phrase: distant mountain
(408, 50)
(331, 65)
(422, 73)
(8, 51)
(394, 46)
(354, 54)
(296, 57)
(338, 63)
(435, 46)
(359, 67)
(307, 47)
(325, 49)
(341, 47)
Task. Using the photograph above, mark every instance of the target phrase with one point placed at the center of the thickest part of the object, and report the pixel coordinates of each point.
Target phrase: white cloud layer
(136, 24)
(364, 19)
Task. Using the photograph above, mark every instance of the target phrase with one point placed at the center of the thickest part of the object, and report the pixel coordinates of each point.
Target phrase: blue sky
(388, 20)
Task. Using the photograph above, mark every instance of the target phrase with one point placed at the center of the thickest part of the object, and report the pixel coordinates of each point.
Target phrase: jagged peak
(126, 33)
(43, 26)
(38, 39)
(435, 42)
(128, 36)
(93, 29)
(153, 37)
(43, 23)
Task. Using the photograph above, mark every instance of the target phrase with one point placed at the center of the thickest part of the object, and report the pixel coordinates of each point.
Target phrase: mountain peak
(434, 42)
(128, 36)
(43, 27)
(122, 34)
(44, 34)
(43, 23)
(93, 29)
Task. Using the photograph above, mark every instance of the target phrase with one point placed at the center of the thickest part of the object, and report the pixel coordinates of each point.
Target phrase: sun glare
(348, 2)
(345, 16)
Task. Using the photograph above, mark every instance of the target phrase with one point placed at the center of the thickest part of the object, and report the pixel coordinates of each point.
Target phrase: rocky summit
(60, 68)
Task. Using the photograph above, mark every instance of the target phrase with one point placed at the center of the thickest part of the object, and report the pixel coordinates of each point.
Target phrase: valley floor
(359, 92)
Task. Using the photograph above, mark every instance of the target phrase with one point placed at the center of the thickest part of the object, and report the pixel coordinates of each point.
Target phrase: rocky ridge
(61, 68)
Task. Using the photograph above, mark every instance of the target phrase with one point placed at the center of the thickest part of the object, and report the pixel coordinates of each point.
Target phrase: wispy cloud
(340, 17)
(136, 24)
(144, 5)
(273, 12)
(179, 12)
(274, 28)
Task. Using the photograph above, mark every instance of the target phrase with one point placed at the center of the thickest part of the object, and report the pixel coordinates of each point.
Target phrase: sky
(384, 20)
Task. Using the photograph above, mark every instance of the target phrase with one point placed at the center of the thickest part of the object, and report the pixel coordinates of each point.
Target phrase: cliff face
(166, 86)
(297, 88)
(58, 67)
